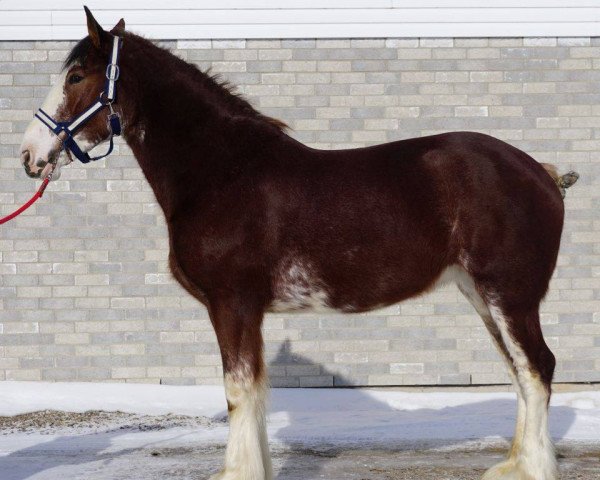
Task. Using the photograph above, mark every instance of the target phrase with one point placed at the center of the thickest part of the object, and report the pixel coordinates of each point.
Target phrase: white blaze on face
(39, 141)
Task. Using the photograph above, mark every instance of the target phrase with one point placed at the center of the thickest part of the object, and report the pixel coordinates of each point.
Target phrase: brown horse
(259, 222)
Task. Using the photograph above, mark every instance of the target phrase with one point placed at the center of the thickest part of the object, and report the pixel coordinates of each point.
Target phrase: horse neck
(173, 123)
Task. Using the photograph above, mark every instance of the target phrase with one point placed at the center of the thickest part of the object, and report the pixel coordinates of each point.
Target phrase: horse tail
(562, 181)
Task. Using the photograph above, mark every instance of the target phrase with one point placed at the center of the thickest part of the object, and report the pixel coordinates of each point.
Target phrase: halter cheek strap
(67, 130)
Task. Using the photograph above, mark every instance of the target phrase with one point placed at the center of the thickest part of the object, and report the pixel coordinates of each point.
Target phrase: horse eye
(73, 79)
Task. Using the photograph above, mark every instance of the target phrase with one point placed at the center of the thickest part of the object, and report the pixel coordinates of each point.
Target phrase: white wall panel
(200, 19)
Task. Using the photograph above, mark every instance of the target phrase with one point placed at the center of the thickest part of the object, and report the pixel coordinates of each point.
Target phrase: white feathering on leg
(536, 459)
(247, 455)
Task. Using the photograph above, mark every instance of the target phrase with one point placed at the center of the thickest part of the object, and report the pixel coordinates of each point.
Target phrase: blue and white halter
(106, 99)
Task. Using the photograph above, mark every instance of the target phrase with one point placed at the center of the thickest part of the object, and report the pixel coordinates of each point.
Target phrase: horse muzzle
(40, 167)
(39, 151)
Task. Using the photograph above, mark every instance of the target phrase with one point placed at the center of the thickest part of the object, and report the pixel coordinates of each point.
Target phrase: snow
(348, 416)
(24, 397)
(353, 427)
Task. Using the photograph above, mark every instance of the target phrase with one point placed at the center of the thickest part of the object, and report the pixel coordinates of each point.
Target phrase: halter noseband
(66, 130)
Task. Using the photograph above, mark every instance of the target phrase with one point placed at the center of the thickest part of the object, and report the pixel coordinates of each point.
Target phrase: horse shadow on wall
(365, 419)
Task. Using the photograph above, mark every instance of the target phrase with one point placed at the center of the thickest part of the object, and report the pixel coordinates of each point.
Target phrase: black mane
(78, 53)
(219, 89)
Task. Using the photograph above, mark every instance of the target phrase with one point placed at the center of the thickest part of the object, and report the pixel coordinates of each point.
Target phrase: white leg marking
(532, 454)
(536, 459)
(469, 290)
(517, 442)
(247, 456)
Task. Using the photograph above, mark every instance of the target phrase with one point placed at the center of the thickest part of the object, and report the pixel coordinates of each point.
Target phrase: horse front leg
(238, 327)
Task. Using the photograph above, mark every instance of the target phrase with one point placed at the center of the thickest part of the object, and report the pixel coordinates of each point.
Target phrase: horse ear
(119, 28)
(94, 29)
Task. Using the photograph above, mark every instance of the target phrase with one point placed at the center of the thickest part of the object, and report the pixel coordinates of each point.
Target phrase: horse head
(80, 84)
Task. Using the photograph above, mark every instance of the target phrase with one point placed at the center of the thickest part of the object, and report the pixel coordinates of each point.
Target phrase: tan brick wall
(85, 292)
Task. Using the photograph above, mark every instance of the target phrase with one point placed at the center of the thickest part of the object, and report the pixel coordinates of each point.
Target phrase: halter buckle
(112, 75)
(113, 122)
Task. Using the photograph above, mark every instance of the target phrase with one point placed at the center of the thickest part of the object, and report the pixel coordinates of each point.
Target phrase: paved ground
(334, 464)
(290, 464)
(58, 446)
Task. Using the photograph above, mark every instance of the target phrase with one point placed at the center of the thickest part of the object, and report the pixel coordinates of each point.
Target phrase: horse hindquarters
(509, 269)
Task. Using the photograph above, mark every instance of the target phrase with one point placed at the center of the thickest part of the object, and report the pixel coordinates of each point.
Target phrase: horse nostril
(41, 163)
(25, 156)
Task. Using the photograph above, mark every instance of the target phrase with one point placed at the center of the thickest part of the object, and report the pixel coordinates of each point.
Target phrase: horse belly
(302, 284)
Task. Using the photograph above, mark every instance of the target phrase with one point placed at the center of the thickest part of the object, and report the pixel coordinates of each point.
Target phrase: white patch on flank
(247, 456)
(466, 285)
(298, 287)
(454, 273)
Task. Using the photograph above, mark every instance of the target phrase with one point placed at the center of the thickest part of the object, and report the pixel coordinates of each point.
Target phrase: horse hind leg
(534, 366)
(468, 288)
(518, 336)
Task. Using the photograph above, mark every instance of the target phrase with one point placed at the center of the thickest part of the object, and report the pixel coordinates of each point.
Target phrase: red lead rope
(37, 195)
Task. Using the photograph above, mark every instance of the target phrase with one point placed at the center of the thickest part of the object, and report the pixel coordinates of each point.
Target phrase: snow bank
(25, 397)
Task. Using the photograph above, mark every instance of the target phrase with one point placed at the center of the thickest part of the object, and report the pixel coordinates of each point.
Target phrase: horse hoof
(506, 470)
(514, 470)
(218, 476)
(234, 475)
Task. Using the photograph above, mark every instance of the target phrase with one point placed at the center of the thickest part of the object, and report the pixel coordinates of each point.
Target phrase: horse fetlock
(542, 467)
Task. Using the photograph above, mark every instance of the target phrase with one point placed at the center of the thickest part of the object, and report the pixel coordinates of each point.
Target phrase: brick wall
(85, 292)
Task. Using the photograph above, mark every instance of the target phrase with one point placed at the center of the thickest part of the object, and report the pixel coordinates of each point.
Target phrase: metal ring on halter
(104, 101)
